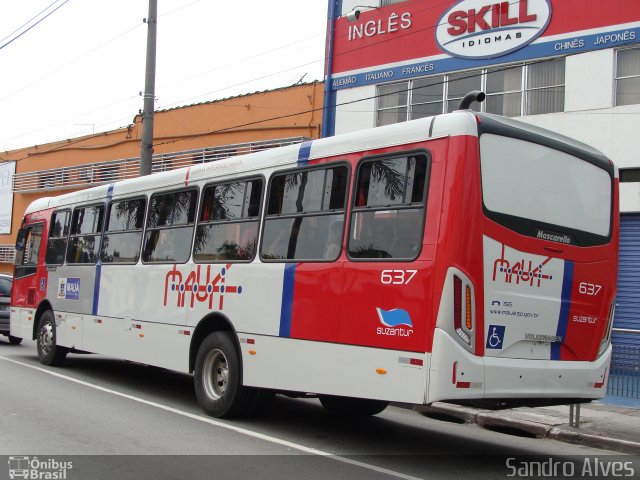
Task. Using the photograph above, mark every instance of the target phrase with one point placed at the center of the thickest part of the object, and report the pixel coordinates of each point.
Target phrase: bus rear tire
(352, 407)
(14, 340)
(217, 379)
(49, 353)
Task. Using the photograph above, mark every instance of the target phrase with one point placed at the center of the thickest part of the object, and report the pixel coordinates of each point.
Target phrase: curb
(466, 414)
(488, 420)
(491, 418)
(595, 441)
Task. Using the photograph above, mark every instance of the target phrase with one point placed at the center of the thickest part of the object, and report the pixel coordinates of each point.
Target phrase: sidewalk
(602, 425)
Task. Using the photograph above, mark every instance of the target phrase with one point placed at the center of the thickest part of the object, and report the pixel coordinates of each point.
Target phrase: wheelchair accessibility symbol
(495, 337)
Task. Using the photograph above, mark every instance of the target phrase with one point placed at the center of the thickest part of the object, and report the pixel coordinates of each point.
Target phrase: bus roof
(451, 124)
(459, 123)
(510, 127)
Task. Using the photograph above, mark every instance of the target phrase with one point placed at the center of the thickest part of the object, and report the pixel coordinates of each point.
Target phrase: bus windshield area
(530, 187)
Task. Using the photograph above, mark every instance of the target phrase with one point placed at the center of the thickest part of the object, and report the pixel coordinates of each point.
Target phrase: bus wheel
(217, 378)
(14, 340)
(49, 353)
(352, 407)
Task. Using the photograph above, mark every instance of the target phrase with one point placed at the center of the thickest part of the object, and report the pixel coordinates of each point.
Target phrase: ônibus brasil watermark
(33, 468)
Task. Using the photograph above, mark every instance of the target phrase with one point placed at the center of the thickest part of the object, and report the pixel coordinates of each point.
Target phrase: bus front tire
(49, 353)
(352, 407)
(217, 378)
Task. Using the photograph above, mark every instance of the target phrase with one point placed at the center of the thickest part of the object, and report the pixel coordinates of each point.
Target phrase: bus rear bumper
(455, 374)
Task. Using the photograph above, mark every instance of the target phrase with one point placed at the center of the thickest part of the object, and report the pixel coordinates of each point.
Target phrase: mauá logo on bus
(69, 288)
(477, 29)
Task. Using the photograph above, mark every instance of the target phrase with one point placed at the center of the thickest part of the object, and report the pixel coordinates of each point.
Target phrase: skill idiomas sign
(485, 29)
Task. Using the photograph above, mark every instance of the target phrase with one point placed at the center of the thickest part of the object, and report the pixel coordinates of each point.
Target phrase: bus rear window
(538, 191)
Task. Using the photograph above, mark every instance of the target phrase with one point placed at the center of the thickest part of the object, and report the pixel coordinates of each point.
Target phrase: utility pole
(146, 147)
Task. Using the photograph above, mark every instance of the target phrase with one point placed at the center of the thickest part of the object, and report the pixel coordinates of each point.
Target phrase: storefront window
(545, 87)
(392, 103)
(628, 77)
(426, 96)
(504, 91)
(459, 84)
(512, 90)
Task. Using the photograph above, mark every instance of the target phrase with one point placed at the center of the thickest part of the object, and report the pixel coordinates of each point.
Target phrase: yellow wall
(286, 112)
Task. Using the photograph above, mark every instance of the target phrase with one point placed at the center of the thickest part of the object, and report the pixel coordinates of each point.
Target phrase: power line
(191, 99)
(338, 105)
(431, 7)
(87, 53)
(30, 20)
(280, 117)
(37, 23)
(304, 112)
(44, 77)
(41, 78)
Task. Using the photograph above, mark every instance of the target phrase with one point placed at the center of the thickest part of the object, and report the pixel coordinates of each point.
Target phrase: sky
(81, 69)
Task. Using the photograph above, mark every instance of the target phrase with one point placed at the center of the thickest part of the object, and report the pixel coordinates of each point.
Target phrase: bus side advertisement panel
(373, 304)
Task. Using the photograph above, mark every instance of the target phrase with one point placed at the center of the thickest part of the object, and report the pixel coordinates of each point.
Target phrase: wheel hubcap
(45, 338)
(215, 374)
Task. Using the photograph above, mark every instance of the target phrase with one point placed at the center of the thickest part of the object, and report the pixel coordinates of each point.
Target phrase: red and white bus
(463, 257)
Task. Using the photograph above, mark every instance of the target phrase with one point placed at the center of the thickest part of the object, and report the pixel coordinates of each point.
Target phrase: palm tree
(131, 213)
(292, 181)
(394, 181)
(228, 250)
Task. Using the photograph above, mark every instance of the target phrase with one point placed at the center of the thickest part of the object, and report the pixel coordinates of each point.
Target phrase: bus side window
(123, 232)
(388, 211)
(305, 214)
(28, 259)
(57, 242)
(84, 239)
(170, 227)
(229, 220)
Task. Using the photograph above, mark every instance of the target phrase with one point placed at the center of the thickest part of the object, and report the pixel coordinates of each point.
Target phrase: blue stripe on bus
(563, 320)
(286, 310)
(304, 153)
(96, 282)
(96, 288)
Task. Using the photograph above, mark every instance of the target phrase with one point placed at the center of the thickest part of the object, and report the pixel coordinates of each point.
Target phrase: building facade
(572, 66)
(183, 136)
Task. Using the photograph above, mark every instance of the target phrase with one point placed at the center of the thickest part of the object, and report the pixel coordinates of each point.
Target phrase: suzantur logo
(481, 29)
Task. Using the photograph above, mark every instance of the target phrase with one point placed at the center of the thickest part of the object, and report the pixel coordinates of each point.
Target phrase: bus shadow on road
(151, 383)
(404, 432)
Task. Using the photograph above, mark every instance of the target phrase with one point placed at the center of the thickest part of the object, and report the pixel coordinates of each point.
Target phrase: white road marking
(220, 424)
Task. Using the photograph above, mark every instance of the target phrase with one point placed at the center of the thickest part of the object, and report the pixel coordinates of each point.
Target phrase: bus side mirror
(22, 235)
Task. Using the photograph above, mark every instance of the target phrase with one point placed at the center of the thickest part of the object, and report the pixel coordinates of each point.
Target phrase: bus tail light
(460, 309)
(457, 303)
(606, 336)
(469, 320)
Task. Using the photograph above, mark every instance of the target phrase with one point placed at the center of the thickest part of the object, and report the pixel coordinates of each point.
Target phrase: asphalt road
(116, 419)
